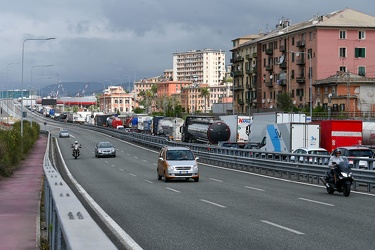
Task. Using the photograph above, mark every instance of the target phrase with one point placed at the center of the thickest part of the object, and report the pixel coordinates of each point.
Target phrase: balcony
(301, 79)
(282, 48)
(238, 87)
(269, 67)
(269, 84)
(301, 61)
(282, 65)
(300, 43)
(237, 73)
(269, 51)
(236, 59)
(255, 55)
(248, 57)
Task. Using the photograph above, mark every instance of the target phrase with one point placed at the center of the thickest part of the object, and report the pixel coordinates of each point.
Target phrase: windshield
(317, 152)
(105, 145)
(180, 155)
(360, 153)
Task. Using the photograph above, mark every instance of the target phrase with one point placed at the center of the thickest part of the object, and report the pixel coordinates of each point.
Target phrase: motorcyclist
(77, 146)
(336, 158)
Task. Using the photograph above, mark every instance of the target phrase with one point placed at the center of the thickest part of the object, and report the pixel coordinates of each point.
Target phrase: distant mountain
(74, 89)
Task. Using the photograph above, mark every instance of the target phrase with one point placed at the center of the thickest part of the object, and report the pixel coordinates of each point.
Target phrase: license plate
(183, 172)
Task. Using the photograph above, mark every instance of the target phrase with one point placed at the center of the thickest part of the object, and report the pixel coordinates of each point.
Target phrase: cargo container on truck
(260, 121)
(239, 127)
(337, 133)
(286, 137)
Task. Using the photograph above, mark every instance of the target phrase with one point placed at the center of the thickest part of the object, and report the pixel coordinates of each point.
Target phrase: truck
(101, 119)
(239, 127)
(204, 129)
(170, 127)
(338, 133)
(286, 137)
(115, 122)
(258, 126)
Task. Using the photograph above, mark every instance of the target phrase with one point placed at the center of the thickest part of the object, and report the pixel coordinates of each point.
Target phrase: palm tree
(205, 93)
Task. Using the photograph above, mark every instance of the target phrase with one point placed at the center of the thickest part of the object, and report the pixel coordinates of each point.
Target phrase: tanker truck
(206, 129)
(115, 122)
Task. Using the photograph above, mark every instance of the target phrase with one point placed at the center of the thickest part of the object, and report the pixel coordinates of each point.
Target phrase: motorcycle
(76, 152)
(339, 178)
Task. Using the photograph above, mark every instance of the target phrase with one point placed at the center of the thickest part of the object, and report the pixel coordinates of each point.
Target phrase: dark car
(228, 144)
(355, 152)
(105, 148)
(64, 134)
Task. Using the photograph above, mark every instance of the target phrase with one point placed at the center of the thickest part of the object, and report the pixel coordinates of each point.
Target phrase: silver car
(177, 163)
(105, 148)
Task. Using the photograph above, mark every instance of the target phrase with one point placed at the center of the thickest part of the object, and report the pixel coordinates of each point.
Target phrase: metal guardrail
(302, 168)
(69, 225)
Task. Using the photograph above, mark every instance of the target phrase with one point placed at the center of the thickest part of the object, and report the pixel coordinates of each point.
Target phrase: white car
(304, 152)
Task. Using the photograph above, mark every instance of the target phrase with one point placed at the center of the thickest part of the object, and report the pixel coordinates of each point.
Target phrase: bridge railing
(69, 225)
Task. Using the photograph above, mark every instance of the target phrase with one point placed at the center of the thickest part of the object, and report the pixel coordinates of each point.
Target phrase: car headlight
(170, 168)
(195, 167)
(344, 174)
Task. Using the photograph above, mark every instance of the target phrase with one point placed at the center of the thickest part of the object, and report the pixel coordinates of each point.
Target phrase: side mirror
(160, 158)
(197, 158)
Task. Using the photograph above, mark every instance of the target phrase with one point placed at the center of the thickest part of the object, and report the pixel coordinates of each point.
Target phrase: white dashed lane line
(215, 180)
(318, 202)
(253, 188)
(174, 190)
(282, 227)
(213, 203)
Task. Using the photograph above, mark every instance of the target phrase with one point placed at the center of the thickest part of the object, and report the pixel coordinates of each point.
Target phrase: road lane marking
(174, 190)
(135, 157)
(213, 203)
(113, 165)
(215, 180)
(132, 174)
(149, 181)
(145, 161)
(282, 227)
(121, 169)
(319, 202)
(253, 188)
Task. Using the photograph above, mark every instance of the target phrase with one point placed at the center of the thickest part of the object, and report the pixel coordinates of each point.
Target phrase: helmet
(338, 151)
(76, 142)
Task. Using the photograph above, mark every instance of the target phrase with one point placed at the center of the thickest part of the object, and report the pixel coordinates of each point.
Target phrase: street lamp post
(23, 52)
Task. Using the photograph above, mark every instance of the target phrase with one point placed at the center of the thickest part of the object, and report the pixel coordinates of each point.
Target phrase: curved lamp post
(23, 52)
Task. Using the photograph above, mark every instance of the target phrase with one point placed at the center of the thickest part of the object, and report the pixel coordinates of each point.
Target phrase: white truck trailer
(239, 127)
(286, 137)
(261, 120)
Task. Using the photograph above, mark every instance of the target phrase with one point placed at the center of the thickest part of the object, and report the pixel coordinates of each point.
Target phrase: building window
(342, 34)
(342, 52)
(360, 53)
(342, 68)
(361, 71)
(292, 40)
(293, 57)
(361, 35)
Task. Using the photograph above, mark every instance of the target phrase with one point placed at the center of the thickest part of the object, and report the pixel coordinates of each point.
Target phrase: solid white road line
(282, 227)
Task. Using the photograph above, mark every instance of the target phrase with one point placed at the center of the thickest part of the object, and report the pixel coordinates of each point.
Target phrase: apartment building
(293, 57)
(199, 66)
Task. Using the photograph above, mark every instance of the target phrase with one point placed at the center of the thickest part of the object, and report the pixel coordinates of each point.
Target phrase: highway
(226, 209)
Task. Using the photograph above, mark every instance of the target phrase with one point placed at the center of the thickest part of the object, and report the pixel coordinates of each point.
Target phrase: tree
(285, 102)
(205, 93)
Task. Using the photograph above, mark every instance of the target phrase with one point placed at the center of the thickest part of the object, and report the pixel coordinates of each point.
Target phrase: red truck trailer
(338, 133)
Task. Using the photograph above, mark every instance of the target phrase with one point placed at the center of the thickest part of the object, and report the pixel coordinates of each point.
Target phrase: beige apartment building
(199, 66)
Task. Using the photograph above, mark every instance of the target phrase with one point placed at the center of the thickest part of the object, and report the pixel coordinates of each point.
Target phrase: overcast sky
(118, 40)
